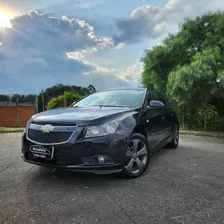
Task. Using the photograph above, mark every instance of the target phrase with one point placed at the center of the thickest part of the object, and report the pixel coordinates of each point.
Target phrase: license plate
(42, 152)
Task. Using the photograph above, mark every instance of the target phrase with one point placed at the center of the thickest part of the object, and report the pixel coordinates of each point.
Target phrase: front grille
(51, 137)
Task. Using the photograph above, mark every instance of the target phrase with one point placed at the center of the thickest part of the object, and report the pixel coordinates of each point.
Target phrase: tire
(137, 157)
(175, 140)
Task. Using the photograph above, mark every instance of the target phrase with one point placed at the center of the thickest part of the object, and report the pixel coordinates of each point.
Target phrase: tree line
(22, 98)
(188, 67)
(61, 95)
(56, 96)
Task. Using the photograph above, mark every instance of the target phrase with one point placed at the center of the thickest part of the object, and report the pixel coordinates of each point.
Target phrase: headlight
(101, 130)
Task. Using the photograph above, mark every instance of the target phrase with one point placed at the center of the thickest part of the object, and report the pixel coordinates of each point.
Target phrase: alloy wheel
(136, 157)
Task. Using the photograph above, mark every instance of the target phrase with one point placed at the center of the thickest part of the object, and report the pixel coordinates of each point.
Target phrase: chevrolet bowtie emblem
(47, 128)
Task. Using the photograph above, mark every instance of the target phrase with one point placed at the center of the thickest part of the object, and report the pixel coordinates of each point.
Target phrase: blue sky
(82, 42)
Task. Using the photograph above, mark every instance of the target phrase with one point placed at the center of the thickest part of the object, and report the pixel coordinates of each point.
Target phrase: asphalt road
(185, 185)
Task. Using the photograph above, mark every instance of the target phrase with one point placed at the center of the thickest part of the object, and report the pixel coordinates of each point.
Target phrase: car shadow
(47, 178)
(44, 178)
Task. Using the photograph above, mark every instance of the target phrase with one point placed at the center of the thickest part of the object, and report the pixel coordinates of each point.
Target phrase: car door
(153, 121)
(167, 116)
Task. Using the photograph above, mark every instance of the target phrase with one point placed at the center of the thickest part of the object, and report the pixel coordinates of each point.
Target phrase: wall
(8, 115)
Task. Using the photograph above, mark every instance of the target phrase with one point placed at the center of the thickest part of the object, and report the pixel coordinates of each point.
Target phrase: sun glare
(4, 20)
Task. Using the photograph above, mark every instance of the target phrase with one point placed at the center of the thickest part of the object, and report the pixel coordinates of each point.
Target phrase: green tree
(92, 89)
(188, 66)
(64, 100)
(4, 98)
(58, 90)
(30, 98)
(204, 32)
(197, 82)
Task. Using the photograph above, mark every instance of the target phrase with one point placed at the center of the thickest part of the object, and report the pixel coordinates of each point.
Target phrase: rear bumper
(78, 156)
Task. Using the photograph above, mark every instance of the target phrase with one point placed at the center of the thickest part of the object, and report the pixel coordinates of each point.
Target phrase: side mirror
(155, 103)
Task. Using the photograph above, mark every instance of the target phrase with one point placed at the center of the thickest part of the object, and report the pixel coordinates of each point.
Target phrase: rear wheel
(137, 157)
(175, 140)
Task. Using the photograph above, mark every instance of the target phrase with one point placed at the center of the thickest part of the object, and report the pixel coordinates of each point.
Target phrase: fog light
(101, 159)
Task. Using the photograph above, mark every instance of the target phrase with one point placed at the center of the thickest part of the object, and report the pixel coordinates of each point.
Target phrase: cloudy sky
(82, 42)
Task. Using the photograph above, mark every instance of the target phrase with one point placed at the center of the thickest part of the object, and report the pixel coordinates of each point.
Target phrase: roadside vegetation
(66, 99)
(60, 95)
(188, 67)
(56, 96)
(11, 129)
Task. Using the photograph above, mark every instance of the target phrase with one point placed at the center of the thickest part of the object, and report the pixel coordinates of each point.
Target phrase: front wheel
(137, 156)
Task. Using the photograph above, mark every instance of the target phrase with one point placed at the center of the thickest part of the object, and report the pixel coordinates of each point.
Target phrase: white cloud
(100, 76)
(41, 50)
(81, 54)
(101, 70)
(104, 77)
(120, 46)
(86, 4)
(132, 74)
(151, 22)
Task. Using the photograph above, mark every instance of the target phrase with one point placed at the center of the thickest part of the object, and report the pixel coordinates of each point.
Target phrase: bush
(194, 119)
(64, 100)
(4, 98)
(59, 90)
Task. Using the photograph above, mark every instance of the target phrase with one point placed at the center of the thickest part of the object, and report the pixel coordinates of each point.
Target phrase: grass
(11, 129)
(219, 134)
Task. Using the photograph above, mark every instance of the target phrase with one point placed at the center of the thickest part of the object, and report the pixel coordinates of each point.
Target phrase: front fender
(127, 126)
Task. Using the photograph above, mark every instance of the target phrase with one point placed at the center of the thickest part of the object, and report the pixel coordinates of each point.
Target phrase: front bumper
(77, 154)
(102, 169)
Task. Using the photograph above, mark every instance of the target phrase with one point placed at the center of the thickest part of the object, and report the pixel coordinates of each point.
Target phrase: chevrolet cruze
(106, 132)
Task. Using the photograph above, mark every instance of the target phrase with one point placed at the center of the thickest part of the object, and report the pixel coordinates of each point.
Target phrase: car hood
(81, 116)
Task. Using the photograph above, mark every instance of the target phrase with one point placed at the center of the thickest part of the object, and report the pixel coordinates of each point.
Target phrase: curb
(14, 131)
(202, 134)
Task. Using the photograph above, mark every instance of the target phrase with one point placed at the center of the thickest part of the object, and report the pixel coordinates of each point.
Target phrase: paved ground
(181, 186)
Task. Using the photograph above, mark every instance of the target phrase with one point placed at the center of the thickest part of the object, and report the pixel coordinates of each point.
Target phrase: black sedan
(106, 132)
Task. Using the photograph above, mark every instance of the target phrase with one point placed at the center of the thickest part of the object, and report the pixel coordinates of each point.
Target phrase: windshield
(115, 98)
